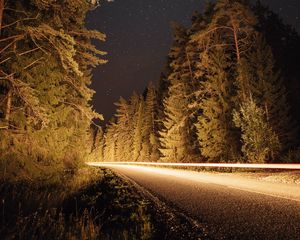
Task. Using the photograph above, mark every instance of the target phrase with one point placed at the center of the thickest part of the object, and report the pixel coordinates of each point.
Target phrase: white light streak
(295, 166)
(230, 181)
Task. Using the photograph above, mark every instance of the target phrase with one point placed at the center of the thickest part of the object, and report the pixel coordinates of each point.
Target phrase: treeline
(222, 98)
(46, 57)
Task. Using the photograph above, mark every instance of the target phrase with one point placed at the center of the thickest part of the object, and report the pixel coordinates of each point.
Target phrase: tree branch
(21, 20)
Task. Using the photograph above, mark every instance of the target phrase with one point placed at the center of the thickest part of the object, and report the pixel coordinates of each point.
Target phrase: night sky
(138, 40)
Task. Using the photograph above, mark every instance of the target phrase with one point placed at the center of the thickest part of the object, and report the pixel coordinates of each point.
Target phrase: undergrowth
(96, 204)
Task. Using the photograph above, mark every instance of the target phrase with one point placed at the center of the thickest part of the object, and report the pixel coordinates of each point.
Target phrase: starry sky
(138, 39)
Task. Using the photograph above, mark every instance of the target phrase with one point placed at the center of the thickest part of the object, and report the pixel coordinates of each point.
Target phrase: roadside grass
(94, 204)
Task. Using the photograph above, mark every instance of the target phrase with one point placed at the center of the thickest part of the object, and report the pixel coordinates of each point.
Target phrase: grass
(95, 204)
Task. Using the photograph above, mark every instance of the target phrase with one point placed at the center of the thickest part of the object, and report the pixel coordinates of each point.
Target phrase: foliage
(216, 134)
(224, 60)
(103, 207)
(46, 58)
(259, 140)
(132, 134)
(175, 136)
(265, 85)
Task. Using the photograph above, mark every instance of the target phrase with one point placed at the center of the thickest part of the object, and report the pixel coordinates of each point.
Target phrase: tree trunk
(8, 105)
(1, 13)
(190, 65)
(237, 47)
(238, 55)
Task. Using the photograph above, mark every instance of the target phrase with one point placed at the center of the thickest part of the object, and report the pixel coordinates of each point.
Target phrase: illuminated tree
(258, 138)
(46, 58)
(150, 141)
(138, 131)
(109, 151)
(232, 27)
(123, 130)
(97, 150)
(265, 86)
(216, 135)
(175, 136)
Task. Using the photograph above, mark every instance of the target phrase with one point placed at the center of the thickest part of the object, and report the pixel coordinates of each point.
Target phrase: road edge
(174, 223)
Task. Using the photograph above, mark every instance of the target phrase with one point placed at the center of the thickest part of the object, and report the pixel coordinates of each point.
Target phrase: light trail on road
(230, 205)
(294, 166)
(240, 182)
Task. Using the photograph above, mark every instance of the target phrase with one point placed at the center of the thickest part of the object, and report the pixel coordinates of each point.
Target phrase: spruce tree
(175, 137)
(46, 58)
(123, 130)
(265, 86)
(216, 135)
(110, 142)
(150, 126)
(258, 138)
(284, 41)
(97, 145)
(138, 132)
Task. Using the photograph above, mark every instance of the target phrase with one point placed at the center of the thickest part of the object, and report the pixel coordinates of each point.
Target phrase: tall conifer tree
(216, 135)
(46, 58)
(175, 136)
(265, 86)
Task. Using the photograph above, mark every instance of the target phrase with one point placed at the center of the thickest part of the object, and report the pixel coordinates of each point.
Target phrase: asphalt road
(230, 207)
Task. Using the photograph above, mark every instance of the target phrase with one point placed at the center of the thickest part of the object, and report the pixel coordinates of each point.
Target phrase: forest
(46, 59)
(228, 93)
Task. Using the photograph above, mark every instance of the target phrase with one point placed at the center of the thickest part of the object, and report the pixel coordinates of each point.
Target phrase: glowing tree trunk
(1, 13)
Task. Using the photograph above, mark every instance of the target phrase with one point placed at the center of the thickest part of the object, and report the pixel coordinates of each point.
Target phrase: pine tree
(216, 135)
(150, 128)
(175, 136)
(46, 58)
(232, 27)
(138, 132)
(123, 129)
(265, 86)
(110, 142)
(258, 138)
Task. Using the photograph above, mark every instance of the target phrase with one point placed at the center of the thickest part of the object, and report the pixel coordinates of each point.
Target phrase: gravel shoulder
(169, 221)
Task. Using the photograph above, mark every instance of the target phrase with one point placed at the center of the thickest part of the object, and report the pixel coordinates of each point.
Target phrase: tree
(123, 130)
(258, 138)
(97, 150)
(46, 58)
(109, 151)
(138, 132)
(232, 27)
(175, 136)
(284, 41)
(265, 86)
(150, 126)
(217, 137)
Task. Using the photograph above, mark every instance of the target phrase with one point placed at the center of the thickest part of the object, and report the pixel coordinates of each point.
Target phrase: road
(229, 206)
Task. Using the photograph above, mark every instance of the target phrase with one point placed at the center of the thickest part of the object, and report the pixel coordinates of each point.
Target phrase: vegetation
(229, 93)
(223, 95)
(45, 112)
(94, 205)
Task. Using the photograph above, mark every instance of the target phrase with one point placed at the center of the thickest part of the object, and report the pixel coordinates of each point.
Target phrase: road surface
(229, 206)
